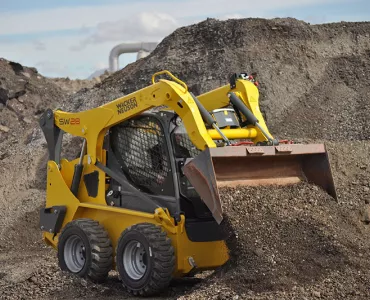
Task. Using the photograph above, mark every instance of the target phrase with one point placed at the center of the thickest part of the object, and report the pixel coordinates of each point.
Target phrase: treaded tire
(159, 265)
(97, 245)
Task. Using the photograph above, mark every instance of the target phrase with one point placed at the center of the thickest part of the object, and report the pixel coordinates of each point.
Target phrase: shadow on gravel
(113, 289)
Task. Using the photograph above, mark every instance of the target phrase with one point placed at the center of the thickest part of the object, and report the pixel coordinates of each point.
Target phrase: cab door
(142, 150)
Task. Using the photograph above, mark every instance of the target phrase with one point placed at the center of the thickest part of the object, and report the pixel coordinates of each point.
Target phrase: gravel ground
(290, 242)
(35, 274)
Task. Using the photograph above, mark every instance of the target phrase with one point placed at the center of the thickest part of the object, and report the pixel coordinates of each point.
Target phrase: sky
(73, 38)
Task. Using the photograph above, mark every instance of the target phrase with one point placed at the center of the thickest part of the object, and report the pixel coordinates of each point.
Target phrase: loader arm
(93, 124)
(228, 164)
(250, 165)
(246, 91)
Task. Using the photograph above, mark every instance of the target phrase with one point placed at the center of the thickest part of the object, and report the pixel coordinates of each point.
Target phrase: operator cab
(150, 151)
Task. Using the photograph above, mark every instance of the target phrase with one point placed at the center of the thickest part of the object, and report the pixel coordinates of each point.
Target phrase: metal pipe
(240, 105)
(208, 118)
(78, 171)
(233, 134)
(83, 151)
(265, 133)
(218, 130)
(128, 48)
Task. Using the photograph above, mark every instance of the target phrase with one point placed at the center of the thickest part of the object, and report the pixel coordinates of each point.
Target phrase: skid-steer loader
(142, 196)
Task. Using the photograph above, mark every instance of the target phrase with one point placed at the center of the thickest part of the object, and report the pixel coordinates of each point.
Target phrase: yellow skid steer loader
(142, 196)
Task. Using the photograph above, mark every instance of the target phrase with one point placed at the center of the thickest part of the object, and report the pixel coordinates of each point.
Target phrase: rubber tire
(99, 251)
(160, 265)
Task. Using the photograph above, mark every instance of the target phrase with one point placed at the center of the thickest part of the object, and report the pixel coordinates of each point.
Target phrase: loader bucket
(253, 165)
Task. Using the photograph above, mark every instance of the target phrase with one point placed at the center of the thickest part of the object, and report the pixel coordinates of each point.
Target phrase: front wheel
(145, 259)
(85, 249)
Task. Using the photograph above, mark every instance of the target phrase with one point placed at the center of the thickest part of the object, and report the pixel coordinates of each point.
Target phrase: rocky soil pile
(75, 85)
(314, 85)
(296, 242)
(291, 242)
(24, 93)
(312, 76)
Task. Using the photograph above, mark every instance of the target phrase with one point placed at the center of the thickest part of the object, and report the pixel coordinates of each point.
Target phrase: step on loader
(142, 195)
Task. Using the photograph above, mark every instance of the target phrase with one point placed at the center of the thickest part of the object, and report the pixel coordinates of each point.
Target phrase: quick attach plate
(51, 218)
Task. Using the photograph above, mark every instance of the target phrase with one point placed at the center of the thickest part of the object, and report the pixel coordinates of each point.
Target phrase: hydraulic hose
(251, 118)
(208, 118)
(78, 171)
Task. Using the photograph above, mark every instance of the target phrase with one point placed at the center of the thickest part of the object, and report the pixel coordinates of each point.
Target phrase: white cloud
(102, 27)
(53, 67)
(101, 65)
(141, 26)
(39, 45)
(146, 26)
(231, 16)
(68, 18)
(57, 60)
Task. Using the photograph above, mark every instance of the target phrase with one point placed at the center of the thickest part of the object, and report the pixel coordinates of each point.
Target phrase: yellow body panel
(207, 255)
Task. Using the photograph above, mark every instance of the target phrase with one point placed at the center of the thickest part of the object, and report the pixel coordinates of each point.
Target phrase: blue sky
(72, 38)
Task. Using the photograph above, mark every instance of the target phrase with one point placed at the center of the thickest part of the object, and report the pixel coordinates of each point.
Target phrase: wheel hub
(74, 253)
(135, 260)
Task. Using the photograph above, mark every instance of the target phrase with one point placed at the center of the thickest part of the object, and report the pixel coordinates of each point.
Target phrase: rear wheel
(85, 249)
(145, 259)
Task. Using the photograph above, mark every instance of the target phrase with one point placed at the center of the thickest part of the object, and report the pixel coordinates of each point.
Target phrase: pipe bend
(127, 48)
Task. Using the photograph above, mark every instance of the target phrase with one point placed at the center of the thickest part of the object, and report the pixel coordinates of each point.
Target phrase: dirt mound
(292, 241)
(338, 107)
(313, 78)
(296, 241)
(28, 266)
(73, 86)
(350, 163)
(24, 94)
